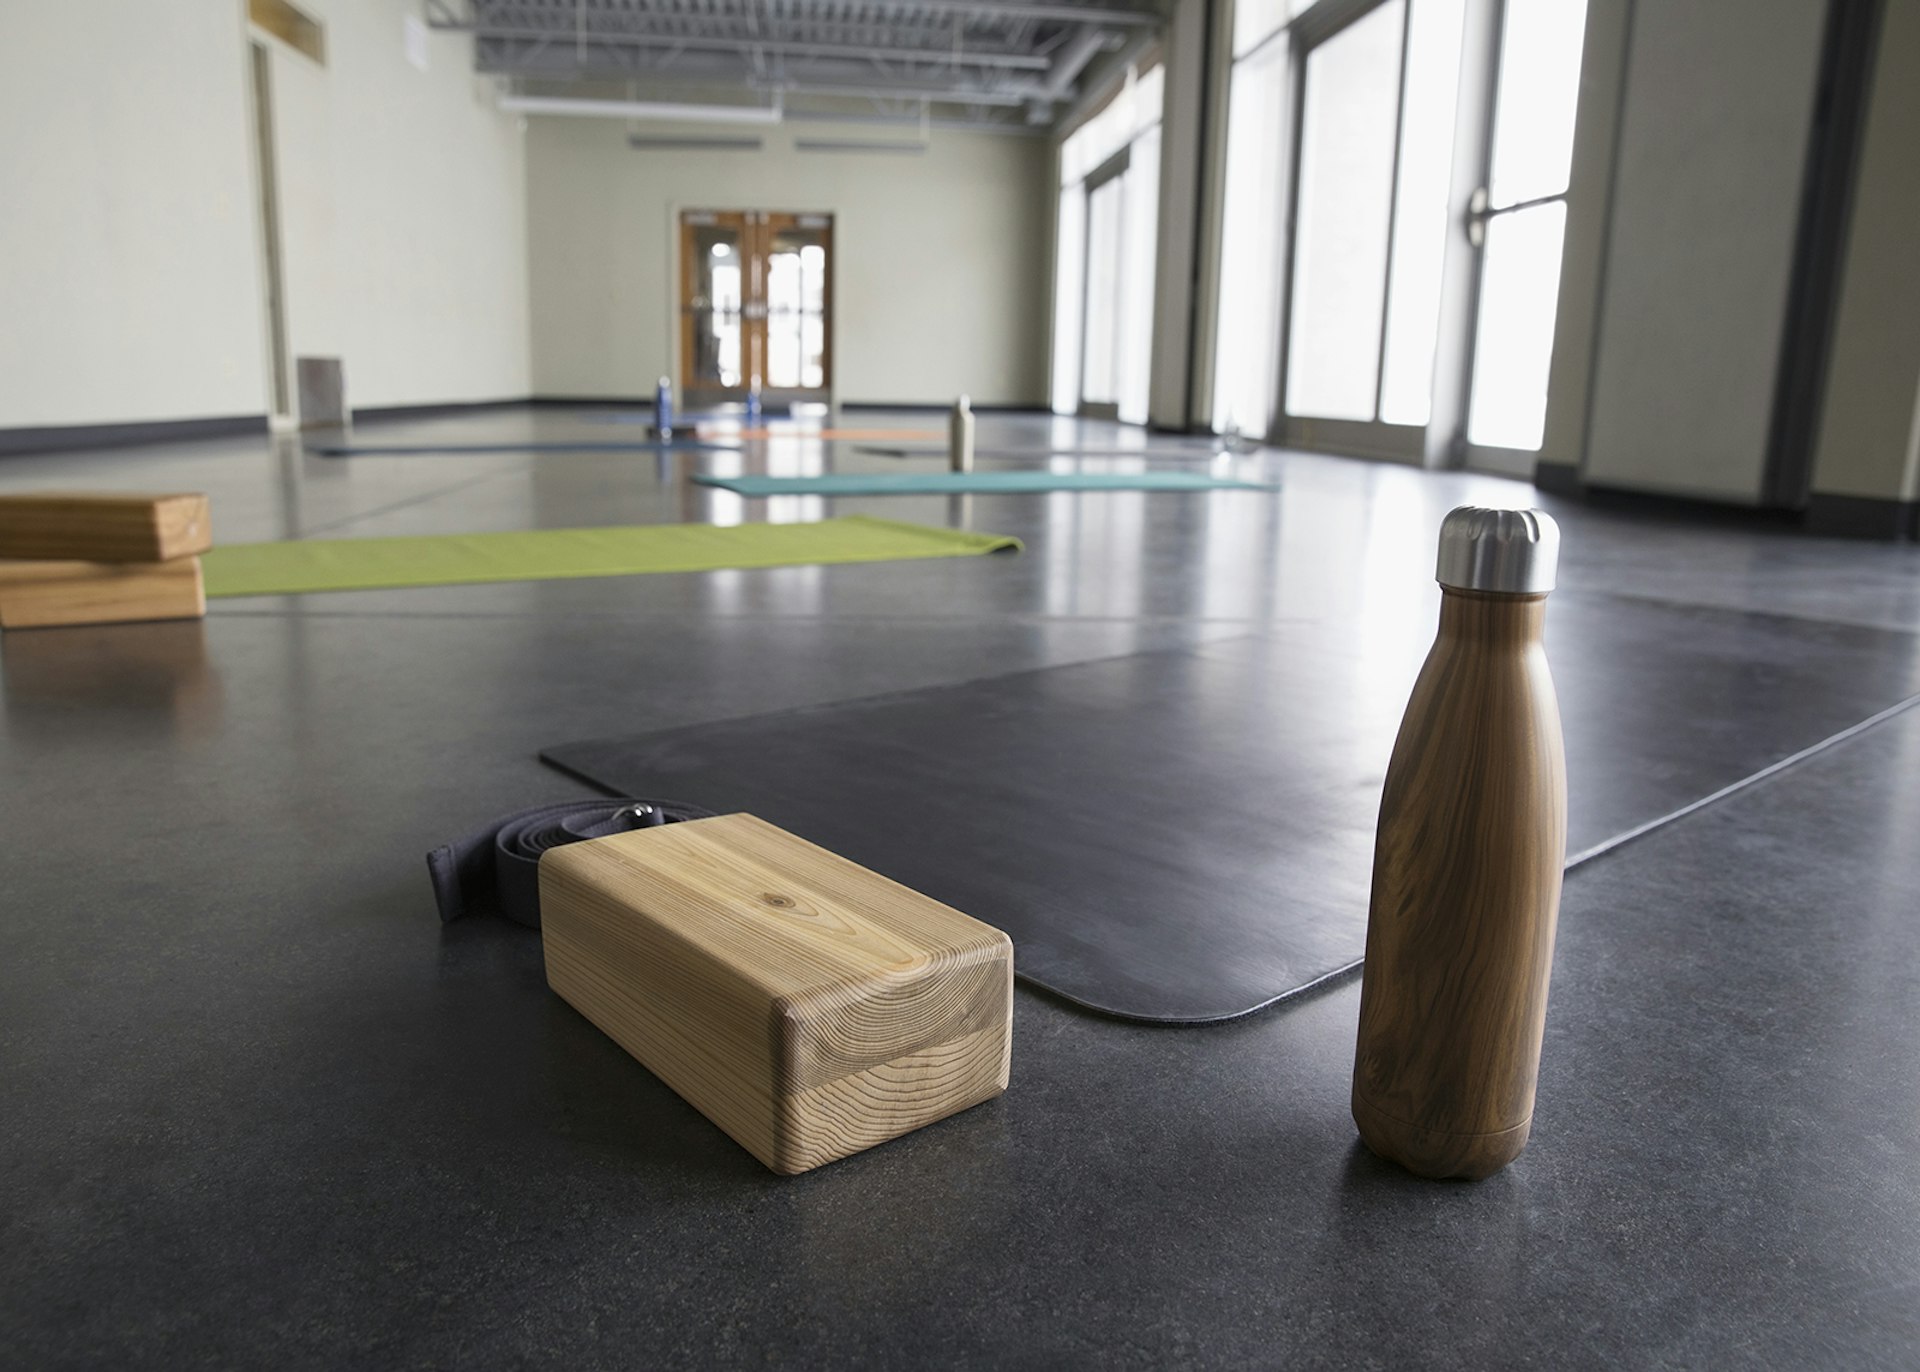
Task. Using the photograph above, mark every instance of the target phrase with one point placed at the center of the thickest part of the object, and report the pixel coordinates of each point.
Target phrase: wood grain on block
(95, 527)
(42, 595)
(807, 1006)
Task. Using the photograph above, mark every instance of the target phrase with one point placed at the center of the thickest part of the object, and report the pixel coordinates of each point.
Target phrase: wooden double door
(756, 303)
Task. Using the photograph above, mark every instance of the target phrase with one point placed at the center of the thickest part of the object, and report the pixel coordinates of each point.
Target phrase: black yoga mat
(1187, 836)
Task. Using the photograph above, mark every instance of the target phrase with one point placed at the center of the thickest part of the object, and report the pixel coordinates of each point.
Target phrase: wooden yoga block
(809, 1007)
(42, 595)
(88, 527)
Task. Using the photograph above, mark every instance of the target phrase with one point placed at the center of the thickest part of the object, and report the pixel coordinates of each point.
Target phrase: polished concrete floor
(262, 1109)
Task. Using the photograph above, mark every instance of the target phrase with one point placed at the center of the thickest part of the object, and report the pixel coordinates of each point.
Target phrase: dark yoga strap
(497, 868)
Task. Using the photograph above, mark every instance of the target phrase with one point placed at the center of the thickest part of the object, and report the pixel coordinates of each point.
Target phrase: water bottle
(960, 436)
(663, 409)
(753, 403)
(1467, 865)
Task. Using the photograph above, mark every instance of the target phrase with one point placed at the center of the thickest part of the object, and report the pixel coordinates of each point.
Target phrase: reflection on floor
(263, 1109)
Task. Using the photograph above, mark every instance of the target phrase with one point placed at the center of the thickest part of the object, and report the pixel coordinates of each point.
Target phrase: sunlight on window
(1346, 189)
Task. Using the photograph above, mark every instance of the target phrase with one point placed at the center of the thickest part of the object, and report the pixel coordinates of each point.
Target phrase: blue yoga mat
(1159, 452)
(973, 483)
(407, 449)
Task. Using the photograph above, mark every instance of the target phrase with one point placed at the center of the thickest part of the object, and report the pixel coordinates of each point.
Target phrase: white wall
(404, 220)
(129, 252)
(130, 276)
(1706, 197)
(1869, 440)
(941, 258)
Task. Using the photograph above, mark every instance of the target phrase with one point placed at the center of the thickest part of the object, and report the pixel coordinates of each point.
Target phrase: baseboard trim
(1557, 478)
(1691, 509)
(60, 438)
(1853, 516)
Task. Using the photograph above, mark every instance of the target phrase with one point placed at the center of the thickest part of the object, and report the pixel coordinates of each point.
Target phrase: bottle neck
(1489, 620)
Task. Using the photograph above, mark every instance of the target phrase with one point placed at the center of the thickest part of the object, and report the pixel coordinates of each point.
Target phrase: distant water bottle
(960, 436)
(753, 403)
(663, 408)
(1467, 866)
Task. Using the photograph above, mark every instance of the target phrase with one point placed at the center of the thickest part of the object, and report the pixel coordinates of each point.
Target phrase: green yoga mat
(973, 483)
(360, 564)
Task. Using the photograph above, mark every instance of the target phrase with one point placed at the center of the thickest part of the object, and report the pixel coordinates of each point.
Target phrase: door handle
(1479, 211)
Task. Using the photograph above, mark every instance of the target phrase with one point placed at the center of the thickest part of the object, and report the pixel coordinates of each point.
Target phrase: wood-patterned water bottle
(1467, 865)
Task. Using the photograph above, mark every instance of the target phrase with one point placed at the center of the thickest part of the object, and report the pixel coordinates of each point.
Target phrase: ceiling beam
(568, 16)
(1015, 61)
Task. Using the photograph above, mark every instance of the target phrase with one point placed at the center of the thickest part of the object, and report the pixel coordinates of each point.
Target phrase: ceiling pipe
(1085, 45)
(1084, 101)
(959, 95)
(1069, 62)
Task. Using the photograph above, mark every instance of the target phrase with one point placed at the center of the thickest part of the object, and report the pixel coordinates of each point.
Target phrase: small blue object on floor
(973, 483)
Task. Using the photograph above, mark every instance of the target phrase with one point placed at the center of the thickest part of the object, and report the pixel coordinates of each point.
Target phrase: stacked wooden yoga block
(71, 557)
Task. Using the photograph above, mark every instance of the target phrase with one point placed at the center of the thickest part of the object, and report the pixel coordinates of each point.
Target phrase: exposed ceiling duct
(1001, 63)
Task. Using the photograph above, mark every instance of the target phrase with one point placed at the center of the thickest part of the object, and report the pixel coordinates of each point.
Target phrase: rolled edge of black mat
(496, 868)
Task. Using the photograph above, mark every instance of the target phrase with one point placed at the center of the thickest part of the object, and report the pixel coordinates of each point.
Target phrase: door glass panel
(1104, 252)
(1519, 285)
(1245, 361)
(1069, 283)
(1421, 209)
(716, 305)
(1345, 193)
(796, 310)
(1533, 109)
(1140, 201)
(1098, 382)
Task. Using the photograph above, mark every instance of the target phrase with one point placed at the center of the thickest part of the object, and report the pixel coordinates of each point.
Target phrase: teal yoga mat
(973, 483)
(1039, 453)
(530, 446)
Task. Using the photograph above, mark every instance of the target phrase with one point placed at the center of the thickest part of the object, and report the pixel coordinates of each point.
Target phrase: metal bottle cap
(1509, 552)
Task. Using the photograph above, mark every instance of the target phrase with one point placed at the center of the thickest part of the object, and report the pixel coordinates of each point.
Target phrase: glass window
(1345, 196)
(1520, 268)
(1069, 296)
(1098, 382)
(796, 310)
(1421, 210)
(1539, 85)
(1519, 279)
(716, 305)
(1104, 254)
(1140, 222)
(1246, 352)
